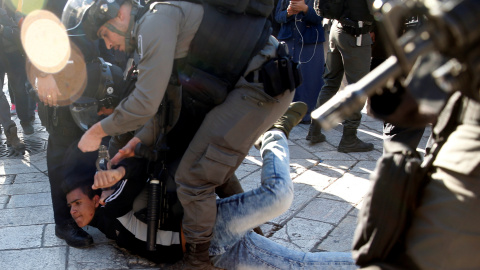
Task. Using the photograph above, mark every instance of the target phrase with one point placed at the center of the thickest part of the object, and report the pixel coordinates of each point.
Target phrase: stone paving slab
(7, 179)
(26, 216)
(302, 234)
(3, 201)
(16, 166)
(25, 188)
(27, 178)
(53, 258)
(102, 256)
(325, 210)
(349, 188)
(340, 239)
(21, 237)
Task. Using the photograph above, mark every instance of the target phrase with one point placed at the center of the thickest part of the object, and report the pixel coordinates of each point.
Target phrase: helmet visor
(74, 12)
(84, 112)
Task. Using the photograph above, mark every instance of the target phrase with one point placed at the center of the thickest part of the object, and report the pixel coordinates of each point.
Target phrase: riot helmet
(90, 15)
(105, 89)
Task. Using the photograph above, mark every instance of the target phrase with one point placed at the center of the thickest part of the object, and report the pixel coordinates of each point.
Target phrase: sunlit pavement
(329, 189)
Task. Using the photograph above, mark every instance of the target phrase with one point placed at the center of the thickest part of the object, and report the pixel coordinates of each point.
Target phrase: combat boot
(294, 114)
(196, 258)
(12, 138)
(351, 143)
(315, 133)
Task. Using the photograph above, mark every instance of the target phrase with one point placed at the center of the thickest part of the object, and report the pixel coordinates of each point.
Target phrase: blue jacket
(309, 25)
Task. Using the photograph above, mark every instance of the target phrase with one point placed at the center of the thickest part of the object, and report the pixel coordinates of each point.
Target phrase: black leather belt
(355, 31)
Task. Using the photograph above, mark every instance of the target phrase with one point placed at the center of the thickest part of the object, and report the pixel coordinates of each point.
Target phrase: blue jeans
(235, 246)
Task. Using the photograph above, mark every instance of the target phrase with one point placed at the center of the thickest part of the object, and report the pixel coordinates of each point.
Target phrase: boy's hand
(105, 194)
(105, 179)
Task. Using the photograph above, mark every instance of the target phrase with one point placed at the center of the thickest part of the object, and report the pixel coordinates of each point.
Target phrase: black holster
(281, 73)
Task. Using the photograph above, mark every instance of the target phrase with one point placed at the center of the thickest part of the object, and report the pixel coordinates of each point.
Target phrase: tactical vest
(357, 10)
(230, 34)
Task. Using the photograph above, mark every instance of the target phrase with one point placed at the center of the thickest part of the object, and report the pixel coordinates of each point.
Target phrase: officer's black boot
(351, 143)
(73, 235)
(12, 138)
(315, 133)
(196, 258)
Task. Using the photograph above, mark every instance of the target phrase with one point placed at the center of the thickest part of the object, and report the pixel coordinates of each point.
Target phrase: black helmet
(89, 15)
(105, 88)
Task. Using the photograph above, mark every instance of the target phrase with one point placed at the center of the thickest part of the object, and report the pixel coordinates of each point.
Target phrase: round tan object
(45, 41)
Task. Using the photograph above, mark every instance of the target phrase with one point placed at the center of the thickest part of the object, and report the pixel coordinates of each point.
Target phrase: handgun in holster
(281, 73)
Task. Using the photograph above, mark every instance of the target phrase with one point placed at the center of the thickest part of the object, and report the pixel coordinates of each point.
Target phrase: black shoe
(73, 235)
(27, 127)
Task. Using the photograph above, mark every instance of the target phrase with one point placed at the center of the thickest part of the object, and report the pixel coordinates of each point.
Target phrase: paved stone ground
(329, 189)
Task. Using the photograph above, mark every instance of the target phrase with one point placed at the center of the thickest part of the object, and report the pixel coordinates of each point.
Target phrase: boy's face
(82, 208)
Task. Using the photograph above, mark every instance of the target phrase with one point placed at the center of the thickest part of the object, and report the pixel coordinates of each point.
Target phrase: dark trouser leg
(57, 146)
(17, 78)
(333, 75)
(229, 188)
(408, 136)
(5, 119)
(65, 226)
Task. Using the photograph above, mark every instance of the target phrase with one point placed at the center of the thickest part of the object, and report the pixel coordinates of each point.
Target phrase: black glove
(388, 102)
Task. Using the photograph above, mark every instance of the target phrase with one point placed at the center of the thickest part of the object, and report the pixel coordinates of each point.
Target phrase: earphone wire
(302, 41)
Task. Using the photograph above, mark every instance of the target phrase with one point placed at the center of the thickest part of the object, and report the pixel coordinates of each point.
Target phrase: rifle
(157, 205)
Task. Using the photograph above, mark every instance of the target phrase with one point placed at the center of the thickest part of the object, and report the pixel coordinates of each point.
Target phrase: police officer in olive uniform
(443, 232)
(349, 53)
(238, 113)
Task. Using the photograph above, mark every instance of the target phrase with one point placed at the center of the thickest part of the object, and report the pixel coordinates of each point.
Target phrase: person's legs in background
(9, 126)
(354, 62)
(23, 102)
(332, 79)
(311, 66)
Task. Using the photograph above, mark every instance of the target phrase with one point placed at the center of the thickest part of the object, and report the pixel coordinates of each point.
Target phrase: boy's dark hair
(79, 171)
(85, 187)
